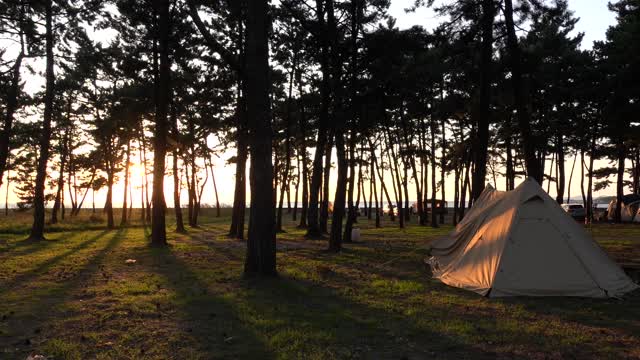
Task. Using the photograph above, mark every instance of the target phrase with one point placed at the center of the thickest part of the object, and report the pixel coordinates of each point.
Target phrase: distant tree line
(498, 89)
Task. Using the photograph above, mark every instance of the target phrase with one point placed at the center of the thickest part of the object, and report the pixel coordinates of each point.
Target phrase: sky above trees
(594, 16)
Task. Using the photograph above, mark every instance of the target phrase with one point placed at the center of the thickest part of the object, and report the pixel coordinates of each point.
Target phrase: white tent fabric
(521, 243)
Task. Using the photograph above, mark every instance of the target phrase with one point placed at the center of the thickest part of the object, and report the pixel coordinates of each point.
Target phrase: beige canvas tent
(521, 243)
(629, 209)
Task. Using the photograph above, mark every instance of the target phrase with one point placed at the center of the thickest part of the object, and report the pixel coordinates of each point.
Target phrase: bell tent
(629, 209)
(521, 243)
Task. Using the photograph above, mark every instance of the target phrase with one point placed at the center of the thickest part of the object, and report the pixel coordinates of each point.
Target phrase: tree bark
(158, 226)
(324, 206)
(11, 104)
(335, 240)
(313, 224)
(482, 113)
(621, 154)
(261, 242)
(534, 169)
(123, 219)
(560, 175)
(37, 229)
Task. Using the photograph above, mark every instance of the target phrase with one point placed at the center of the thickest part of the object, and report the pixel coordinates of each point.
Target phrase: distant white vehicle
(576, 211)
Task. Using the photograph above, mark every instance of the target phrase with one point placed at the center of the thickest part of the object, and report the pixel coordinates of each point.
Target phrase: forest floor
(75, 297)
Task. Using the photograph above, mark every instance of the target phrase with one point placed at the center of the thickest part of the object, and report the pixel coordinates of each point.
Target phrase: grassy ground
(74, 297)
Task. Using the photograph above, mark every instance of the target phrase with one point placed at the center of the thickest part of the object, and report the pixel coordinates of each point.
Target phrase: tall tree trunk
(575, 157)
(351, 214)
(288, 155)
(261, 242)
(589, 206)
(335, 240)
(636, 172)
(375, 188)
(177, 208)
(510, 173)
(6, 194)
(146, 216)
(443, 162)
(11, 104)
(384, 191)
(37, 229)
(158, 226)
(582, 166)
(60, 186)
(108, 206)
(324, 206)
(215, 187)
(434, 221)
(303, 154)
(123, 220)
(313, 223)
(294, 216)
(482, 112)
(534, 169)
(86, 191)
(621, 154)
(560, 175)
(240, 194)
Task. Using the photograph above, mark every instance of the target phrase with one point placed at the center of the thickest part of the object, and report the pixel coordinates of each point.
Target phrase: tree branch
(226, 55)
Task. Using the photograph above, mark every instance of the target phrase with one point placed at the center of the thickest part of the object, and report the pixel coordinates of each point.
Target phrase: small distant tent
(629, 209)
(521, 243)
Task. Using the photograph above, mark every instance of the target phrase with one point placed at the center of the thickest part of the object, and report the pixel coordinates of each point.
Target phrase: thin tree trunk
(560, 175)
(582, 166)
(434, 221)
(177, 208)
(303, 154)
(123, 220)
(573, 165)
(294, 216)
(37, 229)
(375, 188)
(10, 105)
(215, 187)
(324, 206)
(84, 196)
(313, 223)
(335, 239)
(60, 186)
(351, 215)
(108, 206)
(621, 153)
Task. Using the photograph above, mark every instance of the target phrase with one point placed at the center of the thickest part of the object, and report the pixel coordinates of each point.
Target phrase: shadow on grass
(24, 246)
(290, 317)
(43, 307)
(209, 319)
(44, 266)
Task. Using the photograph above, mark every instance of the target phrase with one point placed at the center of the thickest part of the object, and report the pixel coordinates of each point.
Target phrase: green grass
(74, 297)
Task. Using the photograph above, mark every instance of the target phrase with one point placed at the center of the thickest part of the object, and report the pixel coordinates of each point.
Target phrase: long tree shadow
(45, 265)
(24, 246)
(209, 319)
(41, 309)
(464, 308)
(292, 316)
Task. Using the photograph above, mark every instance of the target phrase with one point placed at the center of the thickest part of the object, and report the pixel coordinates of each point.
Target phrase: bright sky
(594, 15)
(595, 19)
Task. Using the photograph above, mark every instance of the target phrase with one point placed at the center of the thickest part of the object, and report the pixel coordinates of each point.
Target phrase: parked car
(576, 211)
